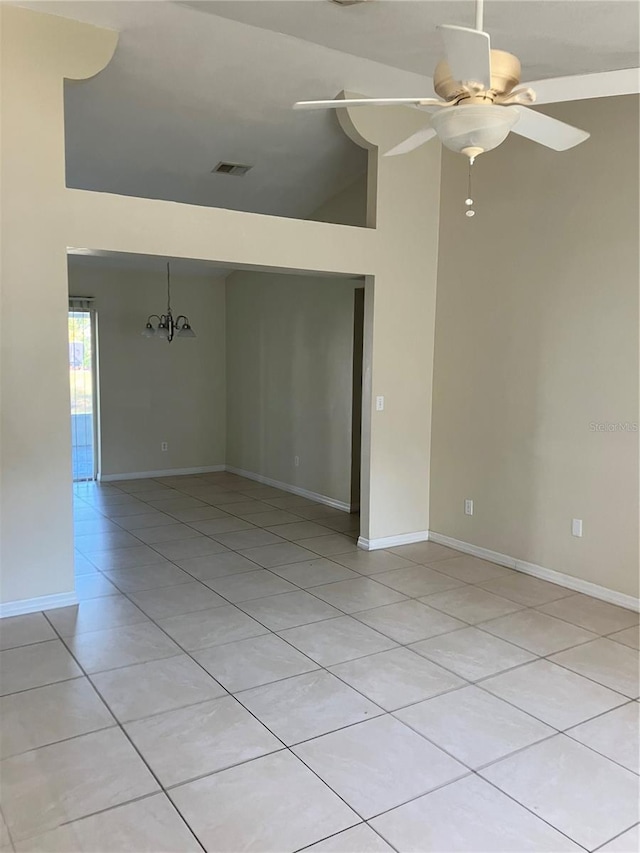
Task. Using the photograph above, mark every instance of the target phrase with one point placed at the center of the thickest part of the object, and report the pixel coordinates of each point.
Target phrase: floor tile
(24, 630)
(151, 824)
(169, 505)
(271, 804)
(526, 590)
(49, 786)
(355, 595)
(183, 549)
(248, 585)
(425, 552)
(592, 614)
(471, 569)
(148, 577)
(418, 580)
(296, 530)
(408, 621)
(93, 586)
(536, 632)
(615, 735)
(48, 714)
(96, 614)
(612, 664)
(306, 706)
(336, 640)
(204, 513)
(627, 842)
(243, 509)
(255, 538)
(396, 678)
(217, 565)
(176, 600)
(124, 509)
(222, 525)
(474, 726)
(133, 692)
(359, 839)
(315, 572)
(469, 816)
(95, 542)
(378, 764)
(471, 604)
(115, 647)
(557, 780)
(36, 665)
(252, 662)
(124, 558)
(472, 653)
(278, 555)
(274, 517)
(82, 565)
(553, 694)
(318, 511)
(629, 637)
(349, 524)
(211, 627)
(189, 742)
(279, 612)
(148, 519)
(330, 545)
(373, 562)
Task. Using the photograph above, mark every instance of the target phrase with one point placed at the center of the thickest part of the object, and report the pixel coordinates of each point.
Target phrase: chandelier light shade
(167, 328)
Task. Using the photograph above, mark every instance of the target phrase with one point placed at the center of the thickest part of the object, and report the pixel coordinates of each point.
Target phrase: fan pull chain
(469, 200)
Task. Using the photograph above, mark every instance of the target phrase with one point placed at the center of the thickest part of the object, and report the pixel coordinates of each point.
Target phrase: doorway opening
(82, 384)
(356, 408)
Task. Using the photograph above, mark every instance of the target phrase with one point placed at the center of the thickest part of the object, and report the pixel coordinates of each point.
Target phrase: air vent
(231, 169)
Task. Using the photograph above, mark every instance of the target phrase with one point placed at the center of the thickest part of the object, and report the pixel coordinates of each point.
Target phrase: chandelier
(167, 327)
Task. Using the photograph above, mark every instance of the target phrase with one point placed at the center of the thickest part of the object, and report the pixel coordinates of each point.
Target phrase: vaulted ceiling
(195, 83)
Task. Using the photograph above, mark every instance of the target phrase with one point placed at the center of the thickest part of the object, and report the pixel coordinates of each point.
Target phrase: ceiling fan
(482, 101)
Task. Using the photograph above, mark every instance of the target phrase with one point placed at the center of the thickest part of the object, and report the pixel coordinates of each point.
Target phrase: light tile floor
(240, 677)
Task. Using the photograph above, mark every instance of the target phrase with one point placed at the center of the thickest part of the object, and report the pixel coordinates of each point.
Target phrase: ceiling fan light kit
(472, 130)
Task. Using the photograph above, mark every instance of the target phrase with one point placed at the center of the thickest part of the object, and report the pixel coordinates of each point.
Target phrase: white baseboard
(560, 578)
(294, 490)
(393, 541)
(168, 472)
(32, 605)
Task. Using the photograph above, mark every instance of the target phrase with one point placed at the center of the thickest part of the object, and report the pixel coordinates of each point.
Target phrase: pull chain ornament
(469, 200)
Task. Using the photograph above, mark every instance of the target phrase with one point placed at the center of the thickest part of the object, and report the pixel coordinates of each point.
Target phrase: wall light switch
(576, 526)
(296, 461)
(468, 507)
(379, 404)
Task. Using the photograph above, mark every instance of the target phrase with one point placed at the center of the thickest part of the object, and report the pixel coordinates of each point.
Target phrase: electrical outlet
(296, 461)
(576, 527)
(468, 507)
(164, 446)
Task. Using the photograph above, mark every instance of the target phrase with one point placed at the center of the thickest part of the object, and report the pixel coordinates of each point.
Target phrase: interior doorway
(356, 407)
(82, 385)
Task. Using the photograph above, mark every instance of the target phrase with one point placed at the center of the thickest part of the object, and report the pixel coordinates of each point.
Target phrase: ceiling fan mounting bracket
(505, 76)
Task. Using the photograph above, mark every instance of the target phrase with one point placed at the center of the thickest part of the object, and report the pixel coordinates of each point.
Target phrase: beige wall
(536, 339)
(348, 207)
(152, 391)
(289, 379)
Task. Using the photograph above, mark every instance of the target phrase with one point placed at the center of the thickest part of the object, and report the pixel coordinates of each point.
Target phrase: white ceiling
(195, 83)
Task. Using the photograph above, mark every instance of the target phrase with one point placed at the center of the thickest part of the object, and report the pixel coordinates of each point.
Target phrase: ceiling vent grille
(231, 169)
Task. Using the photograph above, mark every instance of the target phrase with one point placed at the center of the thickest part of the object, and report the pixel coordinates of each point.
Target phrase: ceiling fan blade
(468, 54)
(604, 84)
(412, 142)
(368, 102)
(546, 130)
